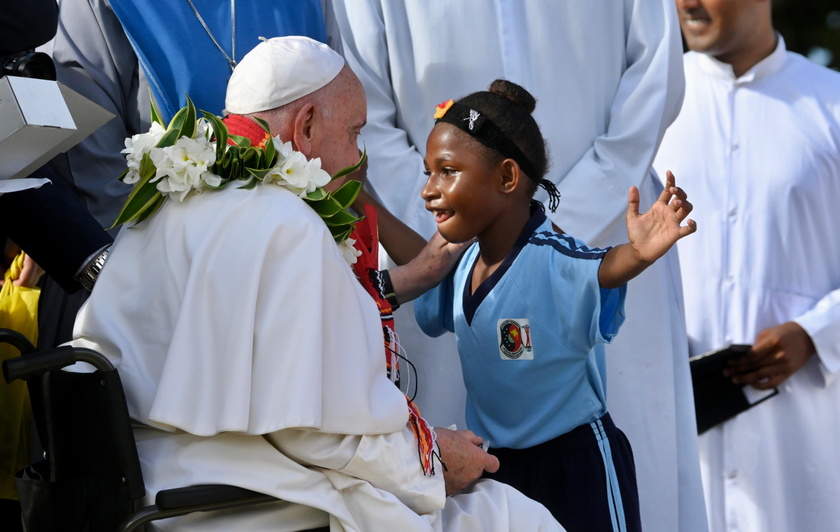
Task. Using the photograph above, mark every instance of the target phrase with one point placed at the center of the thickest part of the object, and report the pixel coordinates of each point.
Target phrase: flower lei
(193, 154)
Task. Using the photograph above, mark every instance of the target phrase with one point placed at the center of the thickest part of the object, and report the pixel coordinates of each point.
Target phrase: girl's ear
(302, 132)
(510, 176)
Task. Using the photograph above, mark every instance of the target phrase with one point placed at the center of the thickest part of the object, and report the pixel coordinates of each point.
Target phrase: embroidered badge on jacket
(514, 337)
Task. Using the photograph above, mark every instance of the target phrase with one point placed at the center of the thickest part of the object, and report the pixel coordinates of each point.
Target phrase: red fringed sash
(366, 269)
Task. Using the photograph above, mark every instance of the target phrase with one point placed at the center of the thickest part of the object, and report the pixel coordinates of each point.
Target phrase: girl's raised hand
(653, 233)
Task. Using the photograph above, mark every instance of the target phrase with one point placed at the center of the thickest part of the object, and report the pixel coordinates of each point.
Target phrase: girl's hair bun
(515, 93)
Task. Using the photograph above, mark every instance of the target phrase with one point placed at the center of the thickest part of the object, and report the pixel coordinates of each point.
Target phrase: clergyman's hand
(776, 354)
(465, 460)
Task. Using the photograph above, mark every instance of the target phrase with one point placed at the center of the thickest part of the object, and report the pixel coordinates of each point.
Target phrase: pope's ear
(302, 132)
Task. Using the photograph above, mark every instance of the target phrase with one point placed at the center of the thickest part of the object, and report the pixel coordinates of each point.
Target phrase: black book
(717, 398)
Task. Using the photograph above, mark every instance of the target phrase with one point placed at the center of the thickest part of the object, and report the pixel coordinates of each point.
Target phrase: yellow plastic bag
(18, 311)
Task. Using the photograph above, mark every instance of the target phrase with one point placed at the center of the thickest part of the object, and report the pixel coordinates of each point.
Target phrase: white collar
(762, 69)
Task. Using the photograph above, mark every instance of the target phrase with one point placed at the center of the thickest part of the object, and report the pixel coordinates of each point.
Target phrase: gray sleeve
(94, 57)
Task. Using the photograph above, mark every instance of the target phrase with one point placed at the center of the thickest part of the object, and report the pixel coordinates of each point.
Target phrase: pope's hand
(465, 460)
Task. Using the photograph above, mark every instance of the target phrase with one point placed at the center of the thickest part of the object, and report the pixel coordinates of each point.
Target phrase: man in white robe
(608, 77)
(757, 145)
(252, 356)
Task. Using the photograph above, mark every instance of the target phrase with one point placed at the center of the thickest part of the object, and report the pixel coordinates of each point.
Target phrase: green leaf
(347, 193)
(340, 234)
(188, 126)
(143, 197)
(316, 195)
(181, 125)
(231, 165)
(340, 218)
(151, 208)
(220, 132)
(173, 131)
(147, 167)
(239, 140)
(168, 138)
(251, 157)
(155, 113)
(263, 124)
(235, 168)
(270, 153)
(142, 188)
(350, 169)
(326, 207)
(250, 184)
(259, 173)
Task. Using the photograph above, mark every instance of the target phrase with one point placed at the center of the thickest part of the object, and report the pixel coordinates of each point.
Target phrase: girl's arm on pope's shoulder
(651, 234)
(400, 241)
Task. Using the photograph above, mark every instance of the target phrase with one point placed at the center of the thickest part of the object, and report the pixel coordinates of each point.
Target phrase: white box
(40, 119)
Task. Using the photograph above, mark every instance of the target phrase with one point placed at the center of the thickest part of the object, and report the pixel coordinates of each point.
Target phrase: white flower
(284, 149)
(298, 174)
(348, 251)
(184, 167)
(137, 146)
(202, 129)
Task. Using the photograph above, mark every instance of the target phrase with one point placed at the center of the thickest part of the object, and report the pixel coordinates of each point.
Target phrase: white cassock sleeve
(648, 99)
(388, 462)
(822, 323)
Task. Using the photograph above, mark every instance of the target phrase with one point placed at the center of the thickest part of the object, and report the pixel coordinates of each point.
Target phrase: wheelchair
(90, 478)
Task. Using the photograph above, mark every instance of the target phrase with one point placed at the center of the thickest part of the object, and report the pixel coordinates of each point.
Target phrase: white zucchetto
(279, 71)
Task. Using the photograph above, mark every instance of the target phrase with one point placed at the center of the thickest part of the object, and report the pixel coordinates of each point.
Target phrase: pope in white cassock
(608, 77)
(757, 144)
(252, 356)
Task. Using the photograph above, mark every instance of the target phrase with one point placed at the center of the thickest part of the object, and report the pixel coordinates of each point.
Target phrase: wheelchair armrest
(35, 364)
(205, 494)
(200, 498)
(17, 340)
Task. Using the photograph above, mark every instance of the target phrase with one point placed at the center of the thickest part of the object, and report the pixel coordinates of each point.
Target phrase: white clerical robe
(759, 157)
(607, 75)
(251, 355)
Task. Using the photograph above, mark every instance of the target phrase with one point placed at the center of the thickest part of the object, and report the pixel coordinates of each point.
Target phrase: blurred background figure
(756, 144)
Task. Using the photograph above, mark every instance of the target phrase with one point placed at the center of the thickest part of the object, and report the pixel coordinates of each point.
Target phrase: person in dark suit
(49, 223)
(55, 229)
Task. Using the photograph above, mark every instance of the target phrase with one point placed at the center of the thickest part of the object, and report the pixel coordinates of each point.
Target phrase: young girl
(531, 308)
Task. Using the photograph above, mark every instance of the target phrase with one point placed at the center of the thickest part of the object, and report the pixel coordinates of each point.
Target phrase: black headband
(488, 133)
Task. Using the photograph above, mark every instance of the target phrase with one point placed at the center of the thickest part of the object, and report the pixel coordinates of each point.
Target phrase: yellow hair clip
(442, 107)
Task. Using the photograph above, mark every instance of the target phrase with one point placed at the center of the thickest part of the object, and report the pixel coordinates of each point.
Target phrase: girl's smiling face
(462, 187)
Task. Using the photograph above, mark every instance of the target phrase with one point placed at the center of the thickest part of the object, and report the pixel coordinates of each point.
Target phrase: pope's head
(306, 93)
